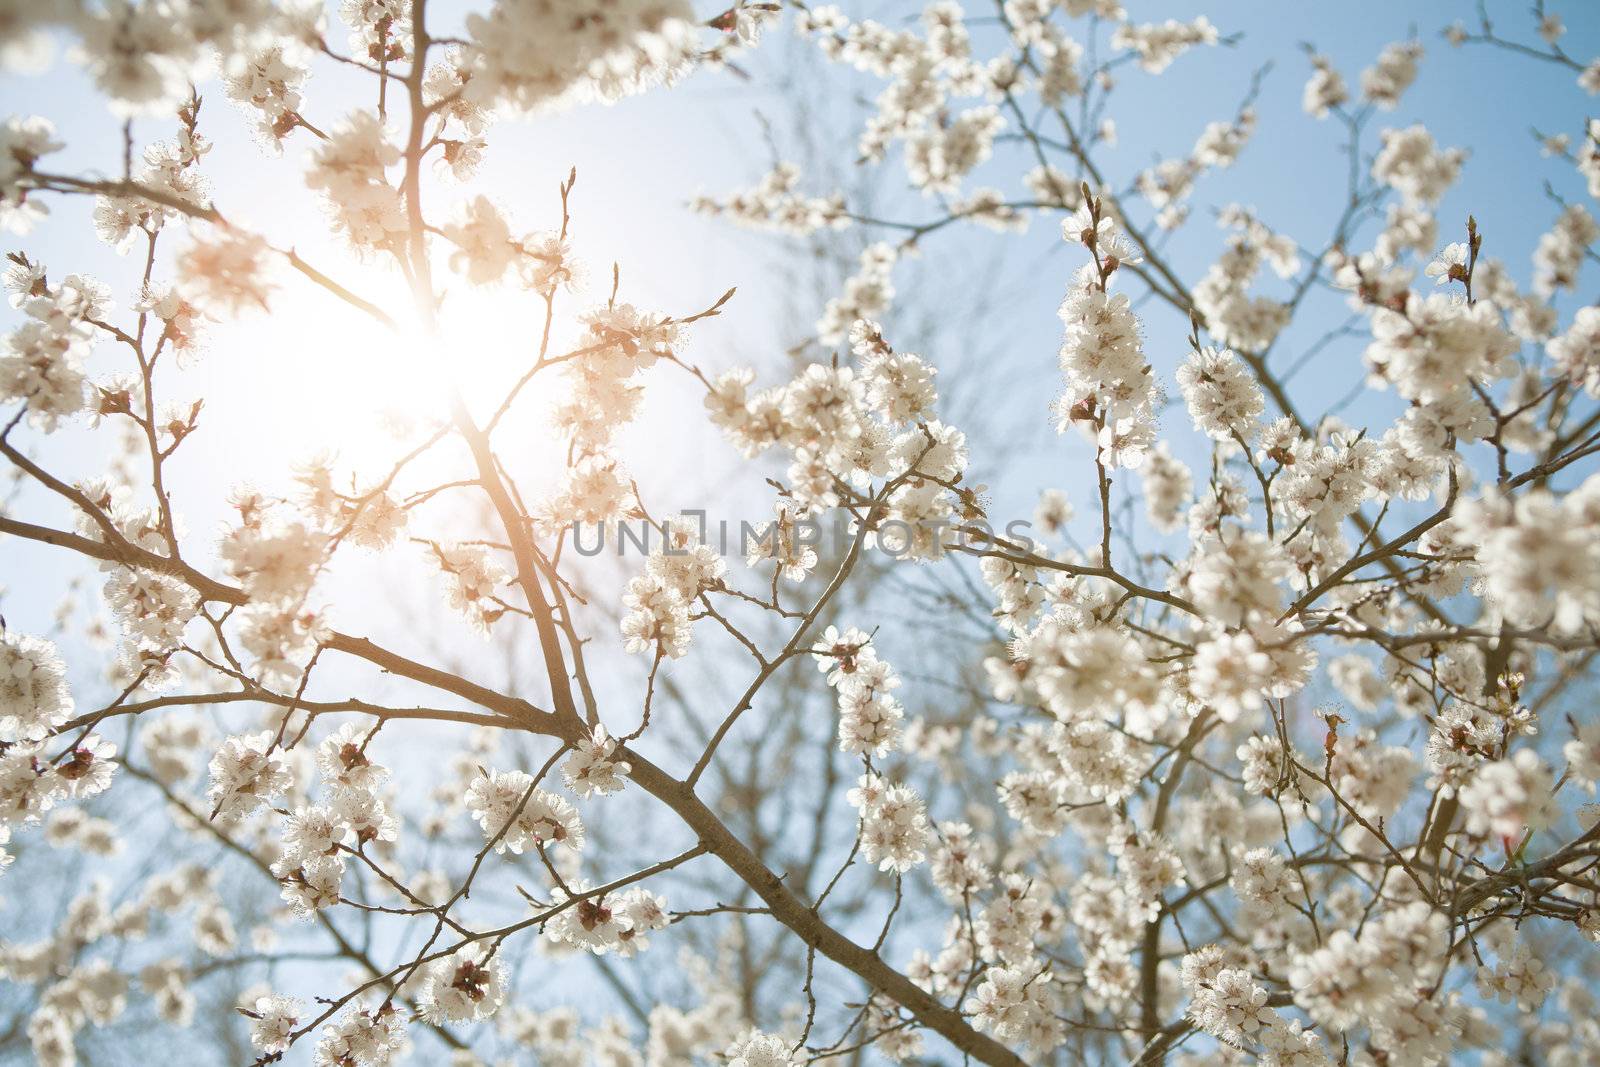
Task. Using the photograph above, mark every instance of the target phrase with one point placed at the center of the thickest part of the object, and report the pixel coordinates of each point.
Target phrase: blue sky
(979, 306)
(641, 160)
(286, 383)
(992, 298)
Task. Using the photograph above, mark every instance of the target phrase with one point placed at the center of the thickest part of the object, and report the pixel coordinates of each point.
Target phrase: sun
(345, 384)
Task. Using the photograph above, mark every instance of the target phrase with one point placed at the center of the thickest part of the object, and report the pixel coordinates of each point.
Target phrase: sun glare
(366, 392)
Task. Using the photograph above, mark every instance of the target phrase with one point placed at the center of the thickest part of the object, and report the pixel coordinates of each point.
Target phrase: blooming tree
(1304, 785)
